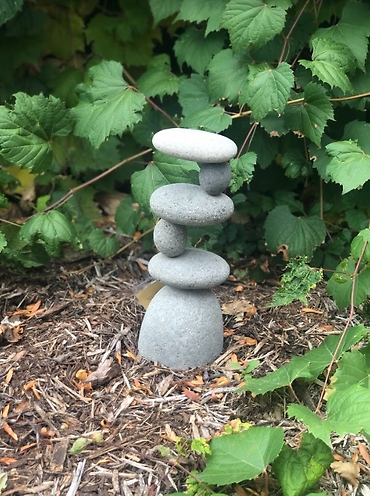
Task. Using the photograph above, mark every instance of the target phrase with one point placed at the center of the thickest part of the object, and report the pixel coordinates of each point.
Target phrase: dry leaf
(10, 333)
(30, 310)
(239, 306)
(7, 460)
(104, 373)
(364, 453)
(198, 381)
(228, 332)
(29, 385)
(348, 470)
(5, 410)
(239, 288)
(221, 382)
(248, 341)
(312, 310)
(9, 375)
(10, 431)
(190, 394)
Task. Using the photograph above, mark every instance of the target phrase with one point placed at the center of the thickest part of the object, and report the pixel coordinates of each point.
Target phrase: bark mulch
(62, 324)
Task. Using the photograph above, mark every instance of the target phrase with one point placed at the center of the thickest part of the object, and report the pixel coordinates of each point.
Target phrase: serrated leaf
(8, 9)
(252, 22)
(353, 369)
(268, 91)
(101, 244)
(308, 366)
(52, 229)
(221, 85)
(299, 235)
(299, 470)
(163, 170)
(65, 33)
(196, 50)
(242, 169)
(242, 456)
(340, 284)
(108, 106)
(357, 245)
(208, 10)
(358, 131)
(193, 94)
(3, 241)
(212, 119)
(330, 62)
(349, 165)
(158, 80)
(161, 9)
(28, 128)
(127, 216)
(310, 116)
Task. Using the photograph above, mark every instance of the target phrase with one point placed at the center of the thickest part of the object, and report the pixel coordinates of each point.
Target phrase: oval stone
(214, 178)
(194, 269)
(189, 205)
(170, 239)
(193, 144)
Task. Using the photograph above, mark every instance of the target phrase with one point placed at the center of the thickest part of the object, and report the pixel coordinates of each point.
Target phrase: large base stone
(182, 328)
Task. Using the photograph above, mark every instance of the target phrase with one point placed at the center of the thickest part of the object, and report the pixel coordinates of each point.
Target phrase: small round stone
(194, 269)
(193, 144)
(214, 178)
(189, 205)
(170, 239)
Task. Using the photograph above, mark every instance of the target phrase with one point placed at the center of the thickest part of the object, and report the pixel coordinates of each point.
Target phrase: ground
(62, 323)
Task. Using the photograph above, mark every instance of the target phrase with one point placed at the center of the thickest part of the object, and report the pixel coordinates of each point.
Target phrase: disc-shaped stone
(189, 205)
(214, 178)
(194, 269)
(170, 239)
(193, 144)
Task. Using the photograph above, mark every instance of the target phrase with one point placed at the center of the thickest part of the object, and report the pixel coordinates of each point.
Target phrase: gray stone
(192, 144)
(194, 269)
(214, 178)
(170, 239)
(182, 328)
(189, 205)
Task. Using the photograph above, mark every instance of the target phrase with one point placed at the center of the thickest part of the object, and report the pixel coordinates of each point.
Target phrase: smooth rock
(182, 329)
(192, 144)
(194, 269)
(214, 178)
(189, 205)
(170, 239)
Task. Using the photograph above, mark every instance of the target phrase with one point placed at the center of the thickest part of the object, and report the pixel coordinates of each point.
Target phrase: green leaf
(242, 456)
(299, 470)
(221, 85)
(52, 229)
(358, 131)
(79, 445)
(101, 244)
(330, 62)
(358, 243)
(28, 129)
(349, 165)
(320, 428)
(309, 366)
(268, 91)
(108, 106)
(9, 9)
(353, 369)
(207, 10)
(127, 216)
(242, 169)
(212, 119)
(158, 80)
(196, 50)
(193, 94)
(297, 281)
(3, 241)
(309, 117)
(65, 33)
(341, 282)
(163, 170)
(295, 235)
(252, 22)
(161, 9)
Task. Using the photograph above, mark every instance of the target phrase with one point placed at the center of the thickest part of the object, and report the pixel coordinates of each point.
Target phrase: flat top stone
(188, 205)
(196, 145)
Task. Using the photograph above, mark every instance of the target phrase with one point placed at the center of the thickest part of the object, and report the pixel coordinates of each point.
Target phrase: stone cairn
(183, 324)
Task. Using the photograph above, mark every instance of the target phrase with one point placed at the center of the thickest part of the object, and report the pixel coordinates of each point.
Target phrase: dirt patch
(67, 322)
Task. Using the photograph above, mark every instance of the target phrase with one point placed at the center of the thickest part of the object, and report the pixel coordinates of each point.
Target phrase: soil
(61, 324)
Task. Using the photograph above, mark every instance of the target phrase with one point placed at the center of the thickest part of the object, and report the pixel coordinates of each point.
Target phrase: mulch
(61, 324)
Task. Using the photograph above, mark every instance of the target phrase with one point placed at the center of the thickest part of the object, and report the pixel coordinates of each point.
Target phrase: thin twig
(76, 478)
(249, 138)
(291, 31)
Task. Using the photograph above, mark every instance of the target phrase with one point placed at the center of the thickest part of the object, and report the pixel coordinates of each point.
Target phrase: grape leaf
(268, 91)
(161, 9)
(242, 456)
(299, 470)
(158, 80)
(330, 62)
(349, 165)
(358, 131)
(358, 242)
(28, 129)
(65, 34)
(127, 216)
(108, 106)
(195, 49)
(8, 9)
(309, 117)
(193, 94)
(221, 85)
(296, 236)
(252, 22)
(101, 244)
(353, 369)
(212, 119)
(207, 10)
(3, 241)
(242, 169)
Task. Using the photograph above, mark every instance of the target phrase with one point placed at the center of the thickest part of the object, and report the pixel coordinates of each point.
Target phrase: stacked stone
(183, 325)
